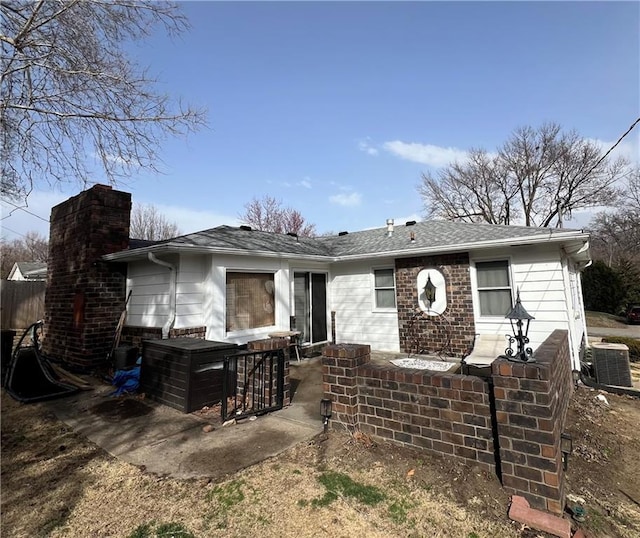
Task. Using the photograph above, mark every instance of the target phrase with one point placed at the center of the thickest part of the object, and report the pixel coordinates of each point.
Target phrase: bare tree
(33, 248)
(267, 214)
(148, 223)
(71, 97)
(616, 233)
(537, 178)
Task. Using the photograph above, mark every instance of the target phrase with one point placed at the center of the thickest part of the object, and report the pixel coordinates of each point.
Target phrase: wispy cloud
(425, 153)
(189, 220)
(627, 149)
(347, 199)
(306, 183)
(366, 146)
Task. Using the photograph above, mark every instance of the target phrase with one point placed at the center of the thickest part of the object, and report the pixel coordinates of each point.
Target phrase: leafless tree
(72, 99)
(269, 215)
(616, 233)
(148, 223)
(537, 178)
(33, 248)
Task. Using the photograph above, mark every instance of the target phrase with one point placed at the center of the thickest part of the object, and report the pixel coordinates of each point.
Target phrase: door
(310, 304)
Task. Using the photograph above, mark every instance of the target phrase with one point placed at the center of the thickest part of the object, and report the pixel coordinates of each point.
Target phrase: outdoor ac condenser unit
(611, 364)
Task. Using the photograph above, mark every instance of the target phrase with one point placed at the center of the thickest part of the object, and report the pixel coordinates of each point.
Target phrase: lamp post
(325, 412)
(517, 317)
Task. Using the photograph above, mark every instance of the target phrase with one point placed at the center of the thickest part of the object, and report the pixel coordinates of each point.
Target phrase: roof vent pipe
(389, 227)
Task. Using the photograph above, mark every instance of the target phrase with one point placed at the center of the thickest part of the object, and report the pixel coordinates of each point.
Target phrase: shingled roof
(405, 240)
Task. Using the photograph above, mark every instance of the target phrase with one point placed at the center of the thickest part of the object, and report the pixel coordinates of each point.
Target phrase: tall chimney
(389, 227)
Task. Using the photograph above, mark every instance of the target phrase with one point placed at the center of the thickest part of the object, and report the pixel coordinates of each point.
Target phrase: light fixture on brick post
(517, 317)
(325, 412)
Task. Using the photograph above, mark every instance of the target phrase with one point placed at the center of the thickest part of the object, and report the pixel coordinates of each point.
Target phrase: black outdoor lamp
(325, 412)
(517, 317)
(566, 447)
(429, 291)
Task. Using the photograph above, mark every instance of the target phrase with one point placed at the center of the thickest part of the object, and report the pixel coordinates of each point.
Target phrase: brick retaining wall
(519, 410)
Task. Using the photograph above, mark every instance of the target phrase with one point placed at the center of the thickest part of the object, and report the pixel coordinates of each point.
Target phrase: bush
(632, 343)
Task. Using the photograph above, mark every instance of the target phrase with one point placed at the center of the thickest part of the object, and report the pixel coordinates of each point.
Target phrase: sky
(337, 108)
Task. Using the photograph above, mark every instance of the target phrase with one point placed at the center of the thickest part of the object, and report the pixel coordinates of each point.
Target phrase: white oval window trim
(437, 279)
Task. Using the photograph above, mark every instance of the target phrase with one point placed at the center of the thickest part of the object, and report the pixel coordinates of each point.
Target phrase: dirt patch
(602, 319)
(118, 409)
(56, 483)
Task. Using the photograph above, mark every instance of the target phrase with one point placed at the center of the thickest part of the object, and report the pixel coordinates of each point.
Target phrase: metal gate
(258, 386)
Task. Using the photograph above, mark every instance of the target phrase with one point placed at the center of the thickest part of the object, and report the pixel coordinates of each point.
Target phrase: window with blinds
(384, 288)
(494, 287)
(250, 301)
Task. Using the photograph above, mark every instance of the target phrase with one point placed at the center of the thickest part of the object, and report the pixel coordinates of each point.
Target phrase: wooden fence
(22, 303)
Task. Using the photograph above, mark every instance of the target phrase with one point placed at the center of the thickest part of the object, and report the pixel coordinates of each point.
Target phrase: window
(384, 288)
(250, 301)
(494, 288)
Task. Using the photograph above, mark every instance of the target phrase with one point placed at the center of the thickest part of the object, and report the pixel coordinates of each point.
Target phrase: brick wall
(270, 391)
(85, 296)
(531, 407)
(134, 336)
(510, 423)
(451, 333)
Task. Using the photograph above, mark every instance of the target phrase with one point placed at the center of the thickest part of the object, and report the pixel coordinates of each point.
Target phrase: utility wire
(612, 148)
(21, 209)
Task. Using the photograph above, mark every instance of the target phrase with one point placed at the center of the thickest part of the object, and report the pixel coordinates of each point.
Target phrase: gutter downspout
(172, 293)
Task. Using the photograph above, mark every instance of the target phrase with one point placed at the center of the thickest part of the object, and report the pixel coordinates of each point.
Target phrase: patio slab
(165, 441)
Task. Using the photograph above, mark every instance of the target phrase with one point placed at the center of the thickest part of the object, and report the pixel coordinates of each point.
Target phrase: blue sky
(336, 108)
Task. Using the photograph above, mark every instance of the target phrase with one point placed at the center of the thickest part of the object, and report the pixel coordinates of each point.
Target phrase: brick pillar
(270, 392)
(85, 296)
(531, 406)
(340, 363)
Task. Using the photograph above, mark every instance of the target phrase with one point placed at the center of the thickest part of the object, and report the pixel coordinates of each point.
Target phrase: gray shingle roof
(428, 236)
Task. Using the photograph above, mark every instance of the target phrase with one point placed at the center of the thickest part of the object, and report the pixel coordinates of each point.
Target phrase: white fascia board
(464, 247)
(173, 248)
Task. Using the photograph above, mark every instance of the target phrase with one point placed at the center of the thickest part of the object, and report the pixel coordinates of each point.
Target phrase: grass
(163, 530)
(341, 485)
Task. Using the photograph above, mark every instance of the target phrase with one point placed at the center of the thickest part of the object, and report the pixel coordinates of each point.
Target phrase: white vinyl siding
(352, 300)
(538, 273)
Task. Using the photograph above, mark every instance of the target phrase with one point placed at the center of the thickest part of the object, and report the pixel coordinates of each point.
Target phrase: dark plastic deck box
(184, 373)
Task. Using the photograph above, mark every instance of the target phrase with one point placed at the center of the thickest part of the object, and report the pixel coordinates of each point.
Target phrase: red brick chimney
(85, 296)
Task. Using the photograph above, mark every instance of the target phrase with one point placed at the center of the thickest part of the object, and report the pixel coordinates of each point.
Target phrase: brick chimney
(85, 296)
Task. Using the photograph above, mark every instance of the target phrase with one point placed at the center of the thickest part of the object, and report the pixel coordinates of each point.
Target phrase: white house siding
(215, 291)
(149, 302)
(352, 300)
(189, 292)
(538, 273)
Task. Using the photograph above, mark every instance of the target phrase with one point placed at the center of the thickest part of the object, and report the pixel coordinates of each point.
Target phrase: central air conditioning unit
(611, 364)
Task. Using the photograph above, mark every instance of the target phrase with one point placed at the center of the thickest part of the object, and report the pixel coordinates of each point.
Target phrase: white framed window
(384, 288)
(494, 287)
(250, 300)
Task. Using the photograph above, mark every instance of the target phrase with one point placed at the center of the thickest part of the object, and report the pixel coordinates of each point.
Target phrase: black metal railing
(256, 380)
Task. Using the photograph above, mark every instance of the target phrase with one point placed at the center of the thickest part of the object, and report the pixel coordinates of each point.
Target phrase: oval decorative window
(432, 292)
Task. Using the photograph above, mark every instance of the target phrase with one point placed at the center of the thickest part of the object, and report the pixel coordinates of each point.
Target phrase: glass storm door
(310, 303)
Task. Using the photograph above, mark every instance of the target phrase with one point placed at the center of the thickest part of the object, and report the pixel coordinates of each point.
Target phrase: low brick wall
(269, 393)
(509, 423)
(531, 407)
(134, 336)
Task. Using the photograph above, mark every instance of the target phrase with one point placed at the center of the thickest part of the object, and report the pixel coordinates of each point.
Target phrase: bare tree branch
(72, 101)
(148, 223)
(267, 214)
(538, 178)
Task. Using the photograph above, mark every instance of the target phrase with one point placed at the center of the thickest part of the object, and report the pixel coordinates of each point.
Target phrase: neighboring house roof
(28, 271)
(429, 237)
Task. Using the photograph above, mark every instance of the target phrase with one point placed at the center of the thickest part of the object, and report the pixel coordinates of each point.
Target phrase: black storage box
(184, 373)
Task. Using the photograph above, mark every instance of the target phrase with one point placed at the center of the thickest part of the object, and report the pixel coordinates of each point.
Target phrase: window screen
(494, 287)
(385, 289)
